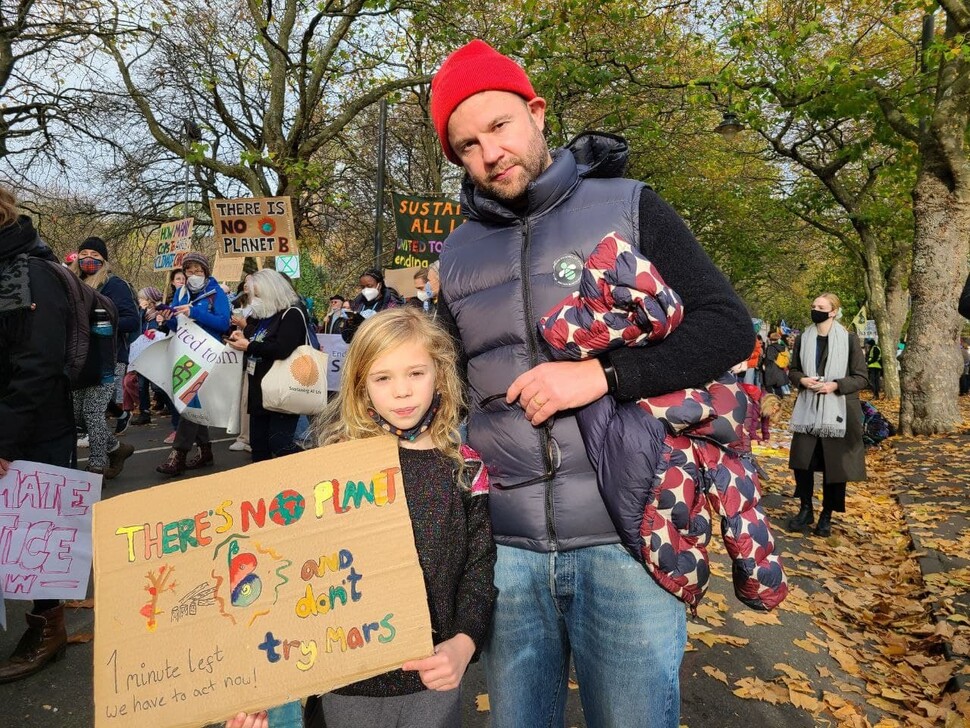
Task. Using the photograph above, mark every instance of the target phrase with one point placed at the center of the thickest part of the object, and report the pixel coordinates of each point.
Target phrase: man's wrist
(612, 383)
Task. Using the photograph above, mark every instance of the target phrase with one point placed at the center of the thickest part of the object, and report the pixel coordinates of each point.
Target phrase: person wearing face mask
(374, 296)
(277, 326)
(336, 318)
(424, 295)
(107, 455)
(828, 369)
(203, 301)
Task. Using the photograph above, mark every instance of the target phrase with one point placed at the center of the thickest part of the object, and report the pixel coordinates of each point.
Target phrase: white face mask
(258, 307)
(423, 295)
(195, 283)
(370, 294)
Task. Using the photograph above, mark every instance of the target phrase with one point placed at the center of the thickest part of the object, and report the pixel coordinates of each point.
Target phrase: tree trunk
(932, 361)
(881, 309)
(897, 305)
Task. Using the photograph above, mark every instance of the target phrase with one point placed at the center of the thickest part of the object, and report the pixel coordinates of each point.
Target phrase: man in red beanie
(566, 586)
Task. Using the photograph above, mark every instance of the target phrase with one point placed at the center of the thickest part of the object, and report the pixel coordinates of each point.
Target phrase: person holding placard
(401, 377)
(202, 300)
(36, 414)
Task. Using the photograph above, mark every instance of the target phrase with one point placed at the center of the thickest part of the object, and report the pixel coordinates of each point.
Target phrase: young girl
(400, 377)
(763, 410)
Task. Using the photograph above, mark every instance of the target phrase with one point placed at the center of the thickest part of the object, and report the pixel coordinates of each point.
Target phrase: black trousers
(833, 494)
(61, 451)
(271, 435)
(875, 379)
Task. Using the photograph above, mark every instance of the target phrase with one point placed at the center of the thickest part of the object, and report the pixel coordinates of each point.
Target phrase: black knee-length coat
(844, 457)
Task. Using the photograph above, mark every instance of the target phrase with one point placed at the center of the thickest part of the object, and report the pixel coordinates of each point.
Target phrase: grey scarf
(822, 415)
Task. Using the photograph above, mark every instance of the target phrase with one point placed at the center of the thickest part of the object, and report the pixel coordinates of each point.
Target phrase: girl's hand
(251, 720)
(238, 341)
(446, 667)
(182, 311)
(4, 467)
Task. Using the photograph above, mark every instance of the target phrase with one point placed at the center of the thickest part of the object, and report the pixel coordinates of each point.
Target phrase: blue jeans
(626, 634)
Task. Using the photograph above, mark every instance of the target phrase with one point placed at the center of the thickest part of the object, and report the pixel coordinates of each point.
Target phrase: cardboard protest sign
(401, 280)
(257, 226)
(173, 241)
(45, 531)
(250, 588)
(228, 270)
(336, 349)
(202, 376)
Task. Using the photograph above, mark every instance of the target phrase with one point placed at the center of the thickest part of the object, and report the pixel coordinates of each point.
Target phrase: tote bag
(297, 385)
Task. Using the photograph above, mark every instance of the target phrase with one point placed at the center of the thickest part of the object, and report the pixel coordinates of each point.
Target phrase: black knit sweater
(453, 536)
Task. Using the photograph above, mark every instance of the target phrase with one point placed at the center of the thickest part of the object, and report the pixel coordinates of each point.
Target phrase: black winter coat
(270, 340)
(35, 392)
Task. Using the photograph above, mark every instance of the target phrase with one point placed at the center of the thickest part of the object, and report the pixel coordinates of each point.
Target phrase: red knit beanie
(473, 68)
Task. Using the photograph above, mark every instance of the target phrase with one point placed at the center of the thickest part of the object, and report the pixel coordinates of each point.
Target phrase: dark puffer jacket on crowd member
(503, 268)
(129, 315)
(362, 309)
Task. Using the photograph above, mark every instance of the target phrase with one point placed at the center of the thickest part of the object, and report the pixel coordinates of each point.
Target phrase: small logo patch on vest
(567, 270)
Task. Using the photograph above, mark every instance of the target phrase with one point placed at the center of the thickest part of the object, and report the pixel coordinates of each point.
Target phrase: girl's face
(401, 385)
(178, 280)
(143, 304)
(368, 282)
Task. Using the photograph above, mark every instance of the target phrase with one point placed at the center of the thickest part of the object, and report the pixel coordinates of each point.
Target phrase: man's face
(335, 304)
(498, 137)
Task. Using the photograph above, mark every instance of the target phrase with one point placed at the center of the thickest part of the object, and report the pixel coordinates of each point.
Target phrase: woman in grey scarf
(828, 369)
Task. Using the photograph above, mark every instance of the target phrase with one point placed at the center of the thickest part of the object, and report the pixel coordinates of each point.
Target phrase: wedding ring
(539, 404)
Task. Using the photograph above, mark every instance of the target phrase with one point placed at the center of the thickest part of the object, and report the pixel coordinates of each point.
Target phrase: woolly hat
(473, 68)
(150, 293)
(193, 257)
(95, 244)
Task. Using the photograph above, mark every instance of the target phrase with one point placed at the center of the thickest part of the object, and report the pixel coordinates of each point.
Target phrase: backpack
(84, 362)
(783, 359)
(875, 427)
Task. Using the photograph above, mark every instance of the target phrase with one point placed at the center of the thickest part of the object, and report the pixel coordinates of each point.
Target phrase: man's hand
(4, 467)
(446, 667)
(554, 386)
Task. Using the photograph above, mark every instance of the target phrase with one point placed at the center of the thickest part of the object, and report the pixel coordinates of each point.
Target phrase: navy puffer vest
(500, 272)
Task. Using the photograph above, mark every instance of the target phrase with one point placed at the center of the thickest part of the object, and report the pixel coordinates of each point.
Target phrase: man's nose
(491, 152)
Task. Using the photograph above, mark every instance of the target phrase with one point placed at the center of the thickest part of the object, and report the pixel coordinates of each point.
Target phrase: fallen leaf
(481, 703)
(79, 638)
(82, 604)
(716, 674)
(806, 645)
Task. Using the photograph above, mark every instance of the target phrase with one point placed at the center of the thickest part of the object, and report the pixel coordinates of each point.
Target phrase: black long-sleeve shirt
(453, 537)
(715, 333)
(270, 340)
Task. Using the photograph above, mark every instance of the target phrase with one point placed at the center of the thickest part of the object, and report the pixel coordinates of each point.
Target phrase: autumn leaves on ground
(880, 643)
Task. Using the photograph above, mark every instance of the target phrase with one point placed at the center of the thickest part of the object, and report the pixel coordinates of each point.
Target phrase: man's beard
(531, 166)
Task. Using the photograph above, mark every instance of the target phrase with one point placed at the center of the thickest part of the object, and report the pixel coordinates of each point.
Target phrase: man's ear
(537, 109)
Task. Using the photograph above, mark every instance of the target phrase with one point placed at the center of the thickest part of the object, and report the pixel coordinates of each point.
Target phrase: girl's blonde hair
(8, 207)
(346, 417)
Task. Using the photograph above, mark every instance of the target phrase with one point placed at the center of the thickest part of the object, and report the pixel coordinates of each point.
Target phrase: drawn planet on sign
(244, 583)
(267, 226)
(287, 507)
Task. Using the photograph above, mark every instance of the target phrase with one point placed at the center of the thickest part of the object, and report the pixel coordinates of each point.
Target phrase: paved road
(61, 696)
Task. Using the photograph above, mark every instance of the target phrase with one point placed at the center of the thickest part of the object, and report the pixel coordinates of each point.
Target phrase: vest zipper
(533, 362)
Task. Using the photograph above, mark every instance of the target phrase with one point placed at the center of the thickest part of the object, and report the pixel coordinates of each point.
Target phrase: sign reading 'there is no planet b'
(254, 226)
